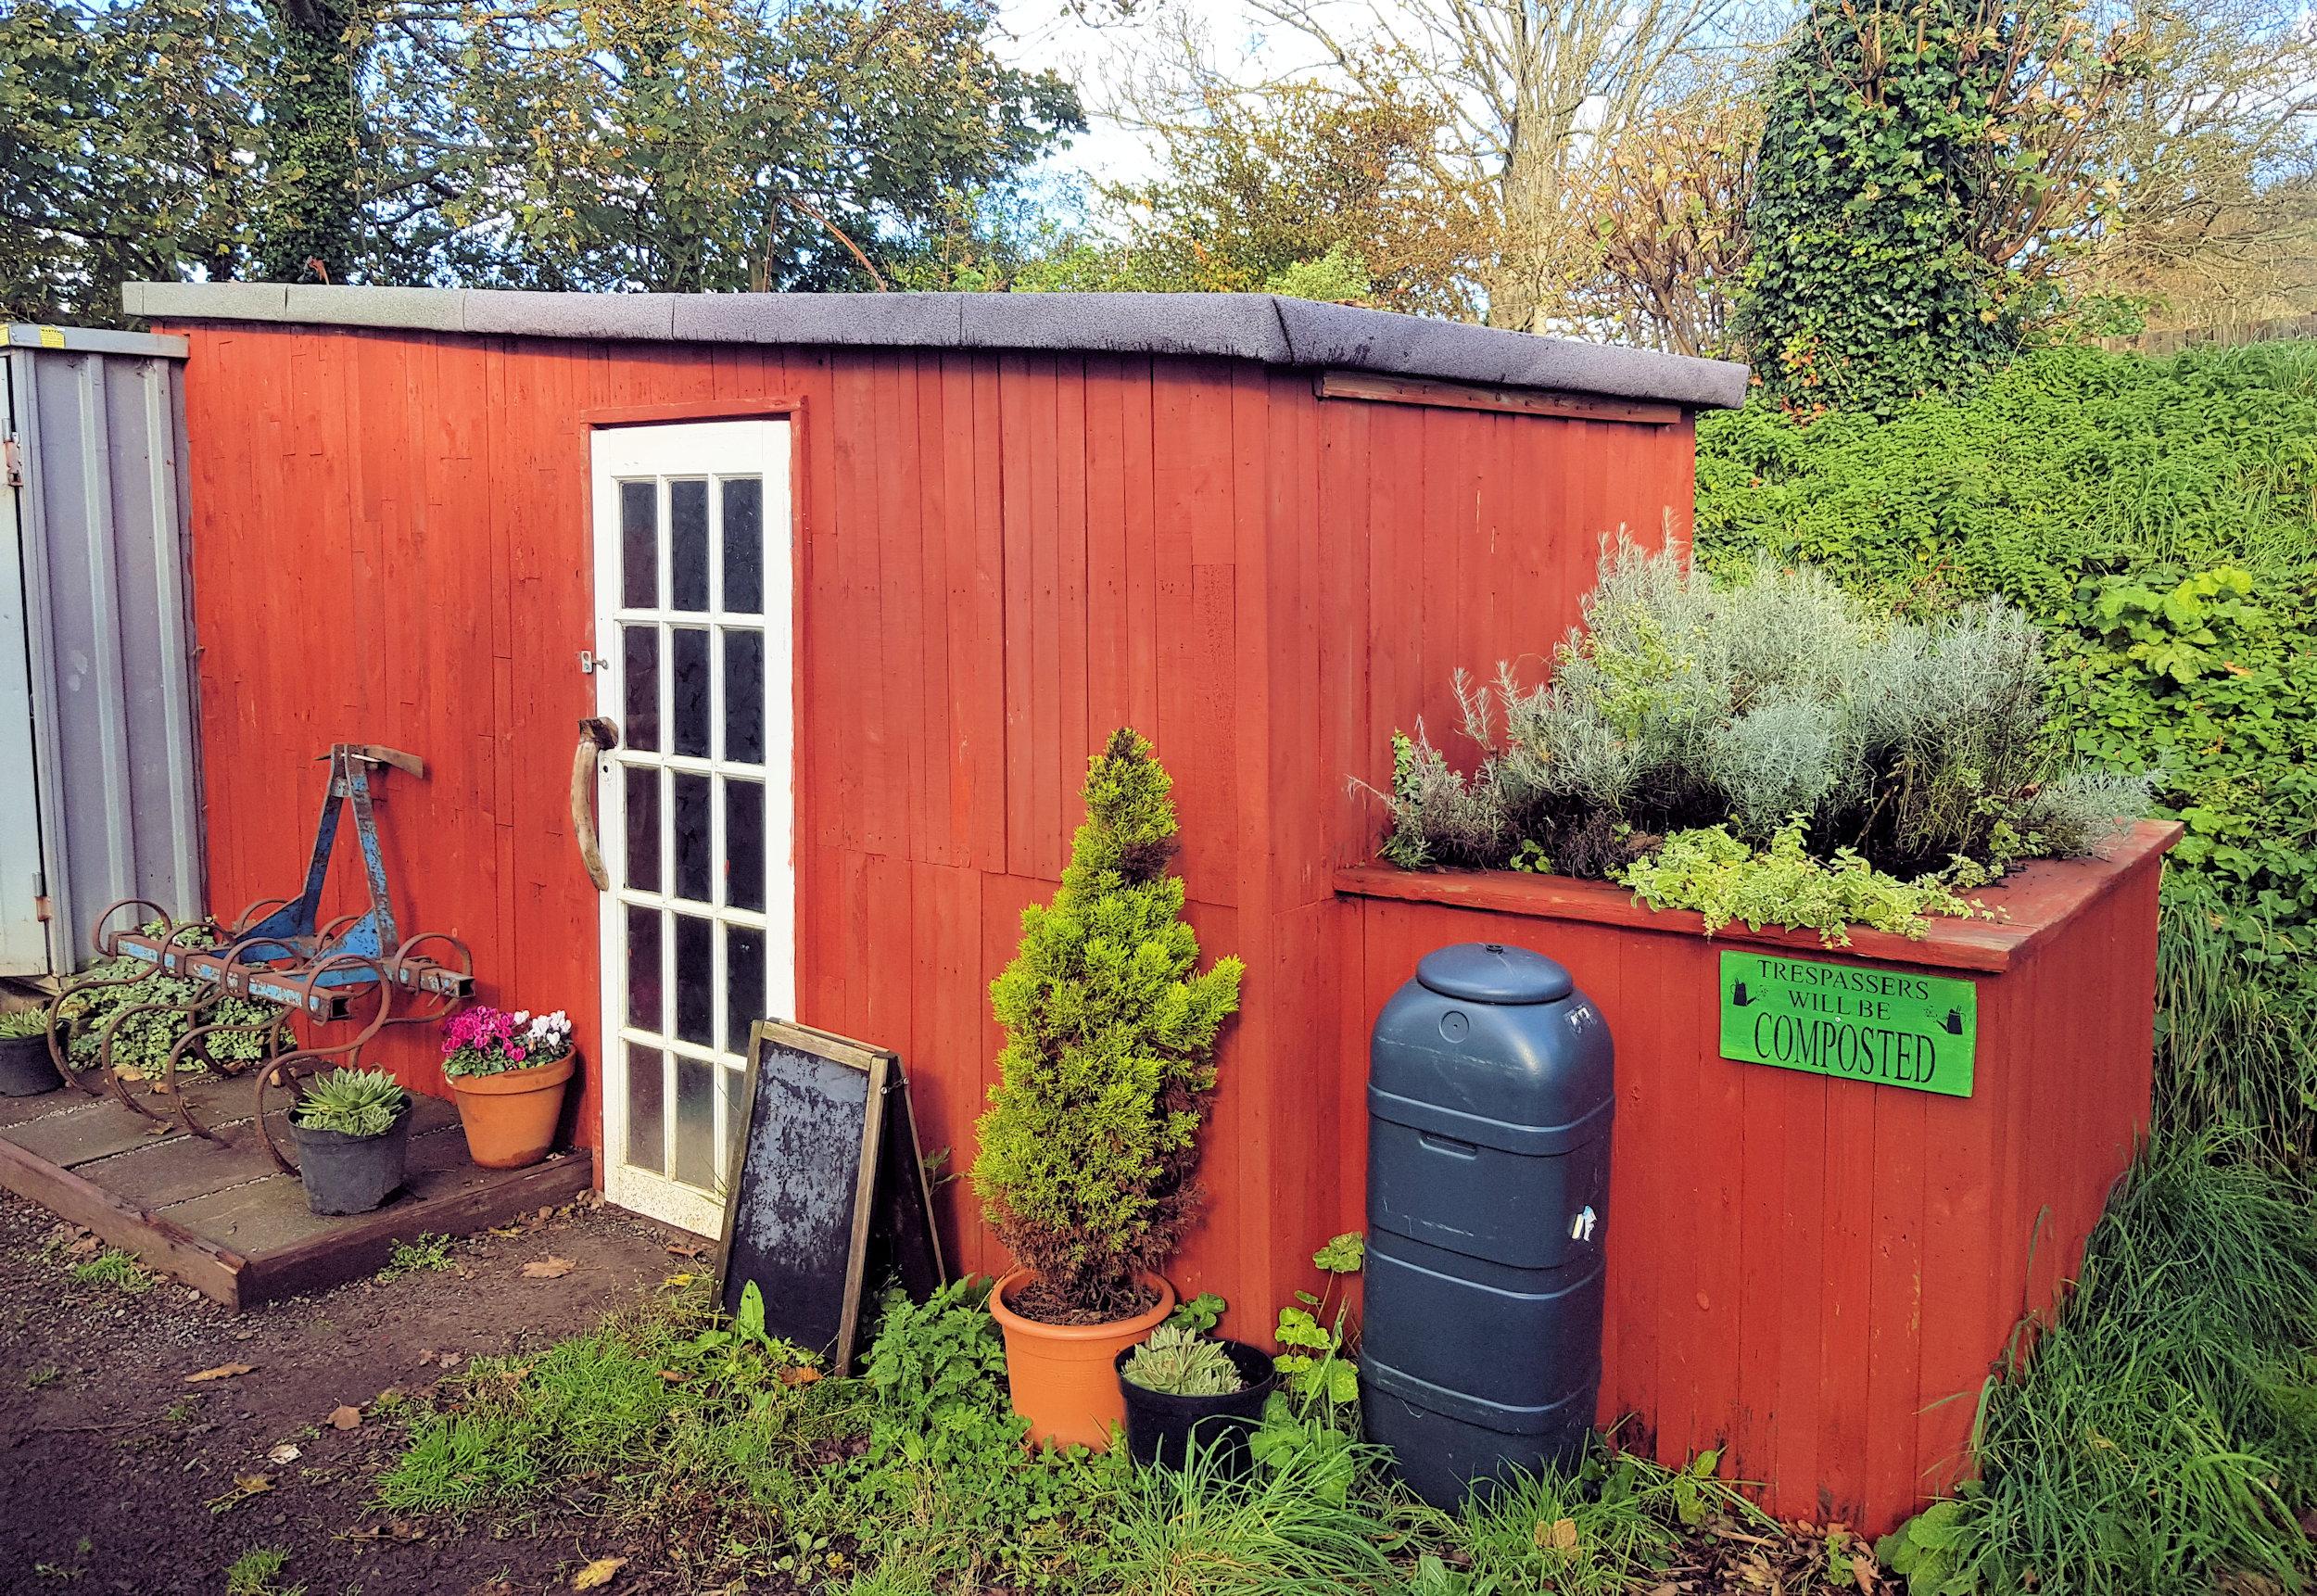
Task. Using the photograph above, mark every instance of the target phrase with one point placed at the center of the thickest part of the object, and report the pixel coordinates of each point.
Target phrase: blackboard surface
(796, 1219)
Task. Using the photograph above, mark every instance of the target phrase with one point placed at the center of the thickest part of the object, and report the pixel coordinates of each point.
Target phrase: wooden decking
(221, 1217)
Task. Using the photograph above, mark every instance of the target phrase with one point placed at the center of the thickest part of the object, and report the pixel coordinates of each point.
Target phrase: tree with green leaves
(1090, 1145)
(1914, 169)
(553, 143)
(126, 145)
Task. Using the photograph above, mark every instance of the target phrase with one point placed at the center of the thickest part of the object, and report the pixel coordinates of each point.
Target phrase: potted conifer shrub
(26, 1069)
(1090, 1145)
(354, 1134)
(508, 1071)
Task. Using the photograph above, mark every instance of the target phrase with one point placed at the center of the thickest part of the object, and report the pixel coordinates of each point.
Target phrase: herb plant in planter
(353, 1132)
(1184, 1389)
(1769, 750)
(1090, 1144)
(25, 1068)
(508, 1071)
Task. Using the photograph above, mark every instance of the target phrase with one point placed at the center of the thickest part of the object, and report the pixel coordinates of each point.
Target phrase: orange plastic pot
(1063, 1378)
(510, 1118)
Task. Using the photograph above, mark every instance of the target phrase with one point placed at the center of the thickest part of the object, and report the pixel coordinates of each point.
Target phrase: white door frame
(712, 451)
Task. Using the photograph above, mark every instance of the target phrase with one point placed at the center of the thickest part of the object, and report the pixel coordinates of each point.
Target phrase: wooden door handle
(596, 734)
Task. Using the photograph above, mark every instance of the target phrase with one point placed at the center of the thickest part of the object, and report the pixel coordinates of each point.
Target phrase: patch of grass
(428, 1252)
(1592, 1530)
(253, 1572)
(115, 1268)
(47, 1375)
(2166, 1427)
(1195, 1532)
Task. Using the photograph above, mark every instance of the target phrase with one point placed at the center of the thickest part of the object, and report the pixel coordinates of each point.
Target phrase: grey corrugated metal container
(100, 792)
(1490, 1092)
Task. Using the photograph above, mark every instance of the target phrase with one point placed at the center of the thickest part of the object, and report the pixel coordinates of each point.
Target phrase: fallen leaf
(222, 1371)
(449, 1360)
(688, 1248)
(285, 1453)
(425, 1357)
(544, 1215)
(547, 1269)
(84, 1247)
(245, 1487)
(1564, 1535)
(799, 1376)
(597, 1574)
(345, 1417)
(672, 1376)
(1865, 1573)
(680, 1280)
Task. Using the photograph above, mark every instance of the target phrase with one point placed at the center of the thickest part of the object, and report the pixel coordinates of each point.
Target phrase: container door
(696, 802)
(23, 936)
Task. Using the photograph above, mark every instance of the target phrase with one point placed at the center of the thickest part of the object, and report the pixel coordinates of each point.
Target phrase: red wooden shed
(864, 580)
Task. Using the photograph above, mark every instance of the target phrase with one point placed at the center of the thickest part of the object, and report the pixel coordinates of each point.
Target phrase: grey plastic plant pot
(26, 1069)
(1159, 1428)
(351, 1174)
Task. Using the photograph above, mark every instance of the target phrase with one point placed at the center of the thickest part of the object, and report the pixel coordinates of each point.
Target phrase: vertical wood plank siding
(1000, 558)
(1816, 1275)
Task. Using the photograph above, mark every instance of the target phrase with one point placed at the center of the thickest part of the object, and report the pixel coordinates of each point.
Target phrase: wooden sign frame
(880, 1118)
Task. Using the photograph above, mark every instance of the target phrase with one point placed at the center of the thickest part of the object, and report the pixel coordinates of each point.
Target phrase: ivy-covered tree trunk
(310, 208)
(1091, 1141)
(1864, 289)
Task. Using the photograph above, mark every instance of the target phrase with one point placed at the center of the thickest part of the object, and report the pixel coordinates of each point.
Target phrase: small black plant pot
(26, 1069)
(351, 1174)
(1158, 1425)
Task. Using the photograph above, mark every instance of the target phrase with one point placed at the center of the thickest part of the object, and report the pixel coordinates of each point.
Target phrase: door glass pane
(689, 645)
(744, 986)
(695, 838)
(695, 1123)
(643, 968)
(638, 545)
(643, 801)
(744, 545)
(695, 980)
(744, 696)
(639, 697)
(688, 545)
(645, 1126)
(744, 843)
(735, 1114)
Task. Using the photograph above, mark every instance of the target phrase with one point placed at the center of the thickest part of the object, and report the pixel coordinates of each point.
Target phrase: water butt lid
(1494, 972)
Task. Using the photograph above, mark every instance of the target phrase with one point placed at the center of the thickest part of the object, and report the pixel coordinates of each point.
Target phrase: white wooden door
(697, 801)
(23, 934)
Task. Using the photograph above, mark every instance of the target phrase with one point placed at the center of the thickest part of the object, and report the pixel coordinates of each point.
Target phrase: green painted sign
(1851, 1020)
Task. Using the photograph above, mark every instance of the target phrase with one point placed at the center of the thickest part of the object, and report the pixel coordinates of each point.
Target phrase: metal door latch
(591, 662)
(1581, 1226)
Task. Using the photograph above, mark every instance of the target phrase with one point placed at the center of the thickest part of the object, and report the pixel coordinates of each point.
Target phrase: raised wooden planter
(1817, 1274)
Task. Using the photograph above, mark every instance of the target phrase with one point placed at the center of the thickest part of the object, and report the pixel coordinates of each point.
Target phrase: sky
(1048, 34)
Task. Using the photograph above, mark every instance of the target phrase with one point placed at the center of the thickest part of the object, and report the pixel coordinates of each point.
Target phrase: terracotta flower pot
(1063, 1378)
(510, 1118)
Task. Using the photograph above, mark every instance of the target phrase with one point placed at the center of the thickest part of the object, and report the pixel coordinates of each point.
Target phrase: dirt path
(119, 1475)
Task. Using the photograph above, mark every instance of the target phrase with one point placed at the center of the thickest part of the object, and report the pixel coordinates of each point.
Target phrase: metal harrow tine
(286, 1069)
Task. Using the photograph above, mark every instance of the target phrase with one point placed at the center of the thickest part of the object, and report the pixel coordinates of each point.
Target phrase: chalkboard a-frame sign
(827, 1195)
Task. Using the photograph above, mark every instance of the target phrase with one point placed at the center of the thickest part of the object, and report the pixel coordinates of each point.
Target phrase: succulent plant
(1179, 1362)
(351, 1102)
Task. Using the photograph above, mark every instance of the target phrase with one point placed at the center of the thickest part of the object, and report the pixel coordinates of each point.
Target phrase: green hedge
(2154, 516)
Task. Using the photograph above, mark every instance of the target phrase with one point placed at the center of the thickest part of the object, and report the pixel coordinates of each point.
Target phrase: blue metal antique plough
(278, 951)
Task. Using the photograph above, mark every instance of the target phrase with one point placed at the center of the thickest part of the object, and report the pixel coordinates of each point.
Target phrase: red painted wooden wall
(1002, 557)
(1816, 1275)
